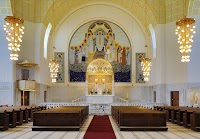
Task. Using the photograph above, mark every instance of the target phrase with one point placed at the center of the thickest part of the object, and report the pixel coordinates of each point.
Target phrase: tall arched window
(153, 37)
(46, 37)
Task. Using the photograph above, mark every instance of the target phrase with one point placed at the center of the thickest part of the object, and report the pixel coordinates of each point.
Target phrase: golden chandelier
(53, 65)
(185, 30)
(14, 30)
(146, 66)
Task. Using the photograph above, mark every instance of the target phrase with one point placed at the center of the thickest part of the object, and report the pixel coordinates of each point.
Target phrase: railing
(139, 104)
(57, 104)
(80, 99)
(120, 100)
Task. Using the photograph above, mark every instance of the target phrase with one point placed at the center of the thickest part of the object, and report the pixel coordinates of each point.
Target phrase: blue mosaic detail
(139, 72)
(60, 57)
(77, 76)
(122, 76)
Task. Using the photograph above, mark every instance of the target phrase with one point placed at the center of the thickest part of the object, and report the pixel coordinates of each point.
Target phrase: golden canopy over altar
(100, 77)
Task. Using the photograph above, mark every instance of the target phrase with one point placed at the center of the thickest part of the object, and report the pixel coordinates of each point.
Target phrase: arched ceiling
(158, 11)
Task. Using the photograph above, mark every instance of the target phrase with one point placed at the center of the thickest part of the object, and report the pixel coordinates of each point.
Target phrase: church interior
(73, 69)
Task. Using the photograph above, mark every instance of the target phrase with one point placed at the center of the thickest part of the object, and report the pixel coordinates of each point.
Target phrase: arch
(46, 38)
(69, 6)
(153, 37)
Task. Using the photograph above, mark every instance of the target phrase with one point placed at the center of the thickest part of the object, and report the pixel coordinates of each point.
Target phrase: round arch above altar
(100, 78)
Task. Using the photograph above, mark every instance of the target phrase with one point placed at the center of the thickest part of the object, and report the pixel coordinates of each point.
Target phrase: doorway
(174, 98)
(154, 96)
(26, 98)
(45, 96)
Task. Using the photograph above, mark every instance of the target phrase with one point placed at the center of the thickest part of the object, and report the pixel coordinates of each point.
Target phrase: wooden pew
(180, 114)
(84, 110)
(167, 110)
(187, 115)
(195, 121)
(4, 120)
(176, 114)
(12, 117)
(24, 112)
(60, 119)
(139, 119)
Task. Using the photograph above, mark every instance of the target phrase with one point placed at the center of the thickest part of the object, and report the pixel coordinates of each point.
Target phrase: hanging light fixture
(185, 30)
(14, 30)
(146, 65)
(146, 62)
(53, 64)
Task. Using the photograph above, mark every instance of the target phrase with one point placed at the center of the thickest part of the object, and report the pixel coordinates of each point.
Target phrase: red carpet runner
(100, 128)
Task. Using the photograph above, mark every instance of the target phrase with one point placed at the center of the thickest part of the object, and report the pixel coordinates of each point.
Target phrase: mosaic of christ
(100, 39)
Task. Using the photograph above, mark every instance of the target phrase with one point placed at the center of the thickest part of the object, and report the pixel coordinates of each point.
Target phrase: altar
(99, 86)
(100, 104)
(99, 99)
(100, 79)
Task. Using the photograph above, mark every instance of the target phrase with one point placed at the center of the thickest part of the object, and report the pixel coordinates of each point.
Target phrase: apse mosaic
(100, 39)
(59, 56)
(139, 73)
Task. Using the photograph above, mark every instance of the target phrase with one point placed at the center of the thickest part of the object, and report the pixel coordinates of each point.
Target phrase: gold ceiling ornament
(146, 65)
(53, 65)
(185, 29)
(14, 30)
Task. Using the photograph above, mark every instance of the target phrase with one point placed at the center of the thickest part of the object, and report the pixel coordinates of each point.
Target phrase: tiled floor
(24, 132)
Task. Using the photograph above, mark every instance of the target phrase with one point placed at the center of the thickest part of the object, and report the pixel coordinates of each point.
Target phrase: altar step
(82, 99)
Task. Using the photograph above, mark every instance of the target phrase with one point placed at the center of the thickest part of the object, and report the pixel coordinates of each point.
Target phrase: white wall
(32, 49)
(193, 65)
(176, 71)
(7, 82)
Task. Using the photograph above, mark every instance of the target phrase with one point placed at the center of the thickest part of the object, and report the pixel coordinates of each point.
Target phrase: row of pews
(188, 117)
(63, 118)
(12, 116)
(132, 118)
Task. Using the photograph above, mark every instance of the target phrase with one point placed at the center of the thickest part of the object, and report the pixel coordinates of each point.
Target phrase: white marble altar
(99, 99)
